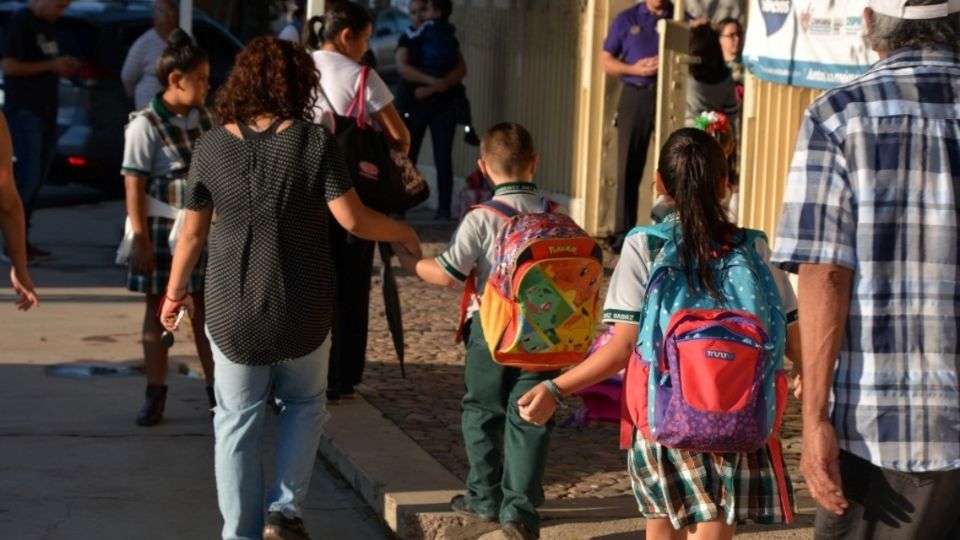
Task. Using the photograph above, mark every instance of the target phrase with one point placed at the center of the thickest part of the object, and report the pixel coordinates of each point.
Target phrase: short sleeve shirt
(626, 294)
(144, 153)
(633, 35)
(473, 244)
(270, 277)
(139, 73)
(31, 39)
(340, 79)
(874, 186)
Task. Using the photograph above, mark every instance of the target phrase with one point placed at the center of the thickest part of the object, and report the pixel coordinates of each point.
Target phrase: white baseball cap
(900, 9)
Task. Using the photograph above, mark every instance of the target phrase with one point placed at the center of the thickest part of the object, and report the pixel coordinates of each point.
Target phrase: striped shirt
(139, 72)
(874, 187)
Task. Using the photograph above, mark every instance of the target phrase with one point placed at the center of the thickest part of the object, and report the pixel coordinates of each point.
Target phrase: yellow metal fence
(772, 114)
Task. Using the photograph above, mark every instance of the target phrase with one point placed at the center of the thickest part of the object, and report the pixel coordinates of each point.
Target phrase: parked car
(387, 28)
(93, 107)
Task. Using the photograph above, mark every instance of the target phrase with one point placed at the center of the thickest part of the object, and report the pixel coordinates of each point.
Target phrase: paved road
(73, 465)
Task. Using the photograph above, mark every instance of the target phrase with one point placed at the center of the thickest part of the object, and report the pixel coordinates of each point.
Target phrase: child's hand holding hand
(411, 243)
(538, 405)
(408, 261)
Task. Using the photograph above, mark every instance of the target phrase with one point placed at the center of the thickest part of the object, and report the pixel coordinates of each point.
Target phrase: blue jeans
(34, 143)
(241, 393)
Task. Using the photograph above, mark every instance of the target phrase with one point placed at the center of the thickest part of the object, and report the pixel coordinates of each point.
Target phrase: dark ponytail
(692, 165)
(181, 54)
(339, 15)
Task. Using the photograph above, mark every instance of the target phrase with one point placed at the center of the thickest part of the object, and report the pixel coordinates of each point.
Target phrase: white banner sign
(814, 43)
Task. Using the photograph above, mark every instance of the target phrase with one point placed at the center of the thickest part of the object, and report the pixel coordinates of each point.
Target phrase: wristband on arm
(555, 392)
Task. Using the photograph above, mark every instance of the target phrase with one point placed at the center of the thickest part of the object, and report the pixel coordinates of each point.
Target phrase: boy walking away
(505, 481)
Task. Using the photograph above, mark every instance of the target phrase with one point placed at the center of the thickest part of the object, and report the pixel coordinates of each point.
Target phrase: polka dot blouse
(270, 279)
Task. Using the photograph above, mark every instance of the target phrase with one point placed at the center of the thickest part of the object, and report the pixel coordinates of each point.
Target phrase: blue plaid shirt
(875, 187)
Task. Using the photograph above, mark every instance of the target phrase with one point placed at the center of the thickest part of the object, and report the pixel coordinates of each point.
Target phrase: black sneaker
(459, 505)
(280, 527)
(514, 530)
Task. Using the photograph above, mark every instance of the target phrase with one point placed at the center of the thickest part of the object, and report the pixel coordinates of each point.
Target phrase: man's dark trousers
(888, 504)
(636, 118)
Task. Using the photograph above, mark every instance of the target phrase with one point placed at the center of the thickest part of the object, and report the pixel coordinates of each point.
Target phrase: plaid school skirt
(170, 191)
(693, 487)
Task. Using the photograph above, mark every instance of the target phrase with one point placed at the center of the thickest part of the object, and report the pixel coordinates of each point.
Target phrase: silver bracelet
(555, 392)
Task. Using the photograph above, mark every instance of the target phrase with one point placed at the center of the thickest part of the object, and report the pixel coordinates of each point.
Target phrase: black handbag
(385, 179)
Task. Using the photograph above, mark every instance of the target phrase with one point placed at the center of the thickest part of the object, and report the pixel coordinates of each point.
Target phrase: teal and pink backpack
(540, 304)
(708, 375)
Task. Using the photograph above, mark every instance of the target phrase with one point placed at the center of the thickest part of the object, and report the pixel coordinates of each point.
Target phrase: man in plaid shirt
(870, 221)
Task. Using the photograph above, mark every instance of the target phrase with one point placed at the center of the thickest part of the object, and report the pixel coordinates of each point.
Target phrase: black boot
(152, 410)
(211, 399)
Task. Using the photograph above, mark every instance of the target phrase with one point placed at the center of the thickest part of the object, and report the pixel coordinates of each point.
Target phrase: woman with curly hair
(274, 178)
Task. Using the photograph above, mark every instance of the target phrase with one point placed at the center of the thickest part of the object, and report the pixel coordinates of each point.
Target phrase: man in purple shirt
(630, 52)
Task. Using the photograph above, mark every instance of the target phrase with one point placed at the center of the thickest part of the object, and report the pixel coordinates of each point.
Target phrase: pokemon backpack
(541, 302)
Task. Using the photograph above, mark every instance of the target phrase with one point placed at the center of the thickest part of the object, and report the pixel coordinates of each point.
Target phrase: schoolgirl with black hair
(681, 493)
(158, 145)
(341, 37)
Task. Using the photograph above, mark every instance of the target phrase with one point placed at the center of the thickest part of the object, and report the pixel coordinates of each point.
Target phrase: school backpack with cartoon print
(709, 375)
(540, 304)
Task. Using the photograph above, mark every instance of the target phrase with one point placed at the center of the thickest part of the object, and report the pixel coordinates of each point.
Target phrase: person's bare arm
(457, 74)
(393, 127)
(61, 65)
(824, 302)
(409, 72)
(13, 224)
(445, 83)
(428, 270)
(193, 236)
(369, 224)
(644, 67)
(538, 405)
(136, 199)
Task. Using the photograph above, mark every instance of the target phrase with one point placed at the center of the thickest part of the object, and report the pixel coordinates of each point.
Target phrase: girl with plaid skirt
(158, 144)
(682, 493)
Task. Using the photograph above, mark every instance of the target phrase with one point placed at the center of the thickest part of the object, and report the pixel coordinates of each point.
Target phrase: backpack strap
(500, 208)
(504, 211)
(358, 107)
(663, 231)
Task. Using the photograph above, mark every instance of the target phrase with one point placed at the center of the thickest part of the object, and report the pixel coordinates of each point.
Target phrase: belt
(640, 86)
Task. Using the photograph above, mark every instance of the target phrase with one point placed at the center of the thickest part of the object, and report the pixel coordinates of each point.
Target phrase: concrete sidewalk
(73, 464)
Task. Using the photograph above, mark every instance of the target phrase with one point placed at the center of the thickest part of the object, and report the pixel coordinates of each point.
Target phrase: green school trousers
(507, 455)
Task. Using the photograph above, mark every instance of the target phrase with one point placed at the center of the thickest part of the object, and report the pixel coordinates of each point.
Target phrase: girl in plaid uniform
(158, 144)
(698, 494)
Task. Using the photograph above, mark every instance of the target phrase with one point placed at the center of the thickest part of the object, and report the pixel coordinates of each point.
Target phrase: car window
(391, 22)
